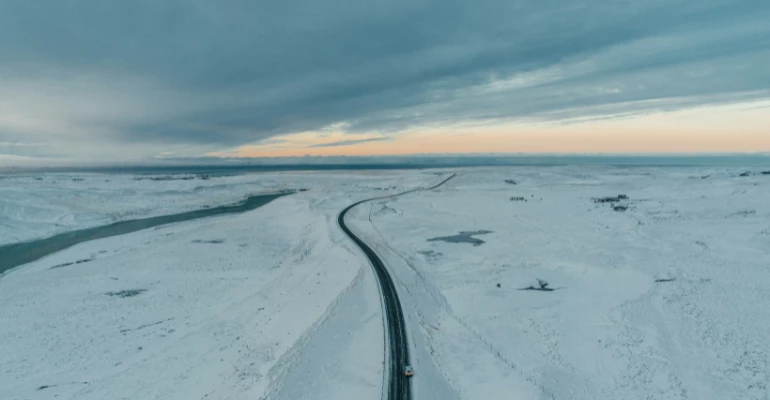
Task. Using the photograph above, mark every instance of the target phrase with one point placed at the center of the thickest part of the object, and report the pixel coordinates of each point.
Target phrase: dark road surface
(399, 387)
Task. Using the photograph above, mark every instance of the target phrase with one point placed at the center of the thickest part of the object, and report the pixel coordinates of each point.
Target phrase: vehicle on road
(408, 371)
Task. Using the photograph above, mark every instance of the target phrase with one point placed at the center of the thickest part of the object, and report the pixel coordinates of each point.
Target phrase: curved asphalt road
(398, 387)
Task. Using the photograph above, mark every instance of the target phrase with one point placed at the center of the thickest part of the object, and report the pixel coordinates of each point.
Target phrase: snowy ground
(609, 330)
(276, 303)
(38, 205)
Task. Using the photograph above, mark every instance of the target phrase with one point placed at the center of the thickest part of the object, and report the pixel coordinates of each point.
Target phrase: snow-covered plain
(274, 303)
(38, 205)
(669, 299)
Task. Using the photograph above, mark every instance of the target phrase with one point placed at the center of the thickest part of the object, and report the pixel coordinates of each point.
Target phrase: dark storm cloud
(233, 72)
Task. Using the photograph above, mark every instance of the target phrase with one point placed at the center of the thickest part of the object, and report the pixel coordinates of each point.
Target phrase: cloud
(350, 142)
(143, 77)
(21, 144)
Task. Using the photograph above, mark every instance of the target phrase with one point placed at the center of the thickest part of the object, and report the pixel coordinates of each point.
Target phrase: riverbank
(35, 206)
(16, 254)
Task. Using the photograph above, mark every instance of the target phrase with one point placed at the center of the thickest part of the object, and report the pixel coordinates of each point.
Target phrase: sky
(141, 80)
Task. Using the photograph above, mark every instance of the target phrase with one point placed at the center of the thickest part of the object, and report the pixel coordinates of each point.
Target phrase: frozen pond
(463, 237)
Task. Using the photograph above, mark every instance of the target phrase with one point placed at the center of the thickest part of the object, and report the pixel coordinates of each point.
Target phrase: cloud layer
(191, 76)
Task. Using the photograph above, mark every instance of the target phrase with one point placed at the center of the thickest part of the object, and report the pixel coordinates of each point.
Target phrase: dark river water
(16, 254)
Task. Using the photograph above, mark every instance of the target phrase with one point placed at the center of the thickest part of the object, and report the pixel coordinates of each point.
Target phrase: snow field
(609, 330)
(667, 299)
(243, 306)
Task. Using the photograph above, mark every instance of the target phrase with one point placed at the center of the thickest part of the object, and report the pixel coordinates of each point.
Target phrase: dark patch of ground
(611, 199)
(147, 326)
(85, 260)
(127, 293)
(542, 286)
(538, 289)
(430, 254)
(510, 181)
(463, 237)
(744, 213)
(204, 177)
(213, 241)
(53, 386)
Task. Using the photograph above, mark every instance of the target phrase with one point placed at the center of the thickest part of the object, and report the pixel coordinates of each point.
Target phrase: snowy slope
(609, 330)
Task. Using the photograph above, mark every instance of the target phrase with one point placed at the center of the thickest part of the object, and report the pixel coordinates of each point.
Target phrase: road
(399, 387)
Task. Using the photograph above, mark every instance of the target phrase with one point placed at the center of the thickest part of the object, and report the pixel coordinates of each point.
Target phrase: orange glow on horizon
(704, 130)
